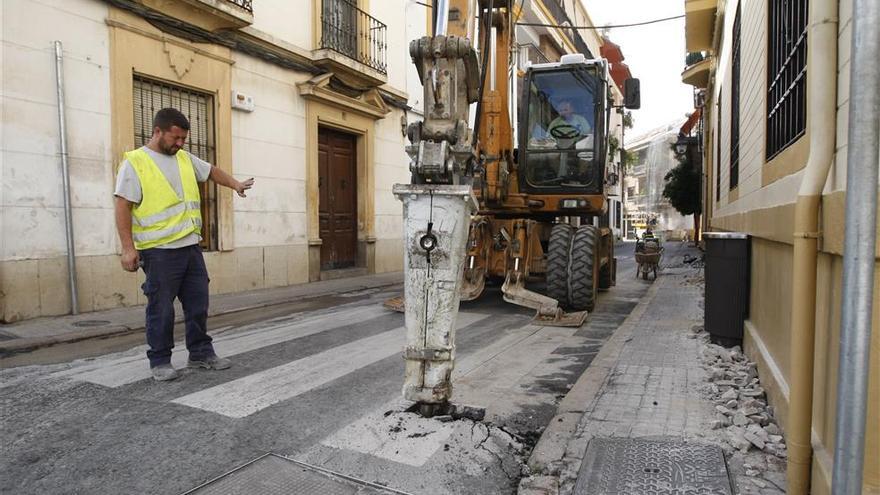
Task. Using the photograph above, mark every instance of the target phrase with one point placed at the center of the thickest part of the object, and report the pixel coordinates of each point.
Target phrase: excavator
(479, 208)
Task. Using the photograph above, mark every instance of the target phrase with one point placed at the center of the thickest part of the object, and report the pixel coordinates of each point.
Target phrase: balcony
(212, 15)
(699, 24)
(697, 69)
(352, 44)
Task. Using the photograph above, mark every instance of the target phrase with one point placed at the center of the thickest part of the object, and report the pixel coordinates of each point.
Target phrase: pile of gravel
(740, 402)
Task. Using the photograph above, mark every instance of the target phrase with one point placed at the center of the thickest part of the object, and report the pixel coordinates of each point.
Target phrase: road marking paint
(405, 438)
(410, 439)
(247, 395)
(506, 368)
(122, 371)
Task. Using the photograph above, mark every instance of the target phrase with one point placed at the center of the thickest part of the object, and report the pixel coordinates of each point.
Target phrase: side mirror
(632, 98)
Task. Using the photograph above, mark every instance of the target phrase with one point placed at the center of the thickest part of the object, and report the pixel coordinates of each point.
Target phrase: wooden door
(337, 199)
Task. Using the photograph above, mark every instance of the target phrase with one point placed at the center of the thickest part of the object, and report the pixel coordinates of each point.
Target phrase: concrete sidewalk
(652, 380)
(40, 332)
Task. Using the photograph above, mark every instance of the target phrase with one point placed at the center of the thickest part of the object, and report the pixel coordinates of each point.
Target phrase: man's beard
(170, 150)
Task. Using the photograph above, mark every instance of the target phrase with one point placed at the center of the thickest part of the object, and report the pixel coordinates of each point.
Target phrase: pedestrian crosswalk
(252, 393)
(374, 433)
(116, 372)
(265, 379)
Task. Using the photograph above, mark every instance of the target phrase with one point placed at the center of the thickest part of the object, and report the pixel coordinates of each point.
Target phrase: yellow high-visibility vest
(162, 216)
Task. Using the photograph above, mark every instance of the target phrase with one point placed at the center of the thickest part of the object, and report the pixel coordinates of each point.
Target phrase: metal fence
(245, 4)
(348, 30)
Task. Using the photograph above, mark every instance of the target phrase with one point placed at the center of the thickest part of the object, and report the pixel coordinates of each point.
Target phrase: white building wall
(270, 225)
(287, 20)
(32, 207)
(269, 144)
(753, 97)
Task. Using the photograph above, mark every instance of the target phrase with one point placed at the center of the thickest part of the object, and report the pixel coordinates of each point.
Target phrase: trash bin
(727, 271)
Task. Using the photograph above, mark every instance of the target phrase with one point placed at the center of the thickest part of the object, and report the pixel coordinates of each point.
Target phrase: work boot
(164, 373)
(209, 363)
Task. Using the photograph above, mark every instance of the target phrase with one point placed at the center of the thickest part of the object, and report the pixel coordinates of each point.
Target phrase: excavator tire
(583, 279)
(557, 262)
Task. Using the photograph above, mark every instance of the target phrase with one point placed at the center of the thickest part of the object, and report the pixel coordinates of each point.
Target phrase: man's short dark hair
(168, 117)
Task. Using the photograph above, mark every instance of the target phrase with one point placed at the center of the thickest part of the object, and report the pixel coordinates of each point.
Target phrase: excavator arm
(437, 208)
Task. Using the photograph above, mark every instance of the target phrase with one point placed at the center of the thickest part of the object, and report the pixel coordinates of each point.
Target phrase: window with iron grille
(150, 96)
(734, 103)
(786, 74)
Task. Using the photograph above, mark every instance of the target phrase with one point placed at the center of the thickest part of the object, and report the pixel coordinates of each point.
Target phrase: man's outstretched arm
(220, 176)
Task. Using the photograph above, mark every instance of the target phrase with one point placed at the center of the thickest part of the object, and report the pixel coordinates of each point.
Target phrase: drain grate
(272, 474)
(90, 323)
(624, 466)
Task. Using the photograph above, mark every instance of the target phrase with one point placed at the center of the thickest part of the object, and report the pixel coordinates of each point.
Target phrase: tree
(683, 186)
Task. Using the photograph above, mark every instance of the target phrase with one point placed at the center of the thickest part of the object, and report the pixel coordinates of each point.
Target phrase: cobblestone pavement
(656, 385)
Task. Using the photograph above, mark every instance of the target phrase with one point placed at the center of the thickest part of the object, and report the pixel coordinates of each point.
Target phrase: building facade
(308, 97)
(644, 203)
(311, 98)
(774, 81)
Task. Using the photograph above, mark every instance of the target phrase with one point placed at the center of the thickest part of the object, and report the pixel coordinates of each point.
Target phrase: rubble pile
(740, 403)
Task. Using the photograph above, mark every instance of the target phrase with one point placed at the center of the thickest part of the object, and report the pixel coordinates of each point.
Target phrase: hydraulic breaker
(437, 218)
(437, 207)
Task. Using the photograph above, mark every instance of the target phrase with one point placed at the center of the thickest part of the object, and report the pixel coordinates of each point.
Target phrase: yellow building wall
(763, 206)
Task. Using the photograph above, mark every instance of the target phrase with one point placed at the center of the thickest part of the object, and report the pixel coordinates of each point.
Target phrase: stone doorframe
(329, 109)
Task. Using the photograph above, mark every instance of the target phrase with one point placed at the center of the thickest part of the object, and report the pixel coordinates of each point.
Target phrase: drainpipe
(859, 250)
(821, 112)
(65, 177)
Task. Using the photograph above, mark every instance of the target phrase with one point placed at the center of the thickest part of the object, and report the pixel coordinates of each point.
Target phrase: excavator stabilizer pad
(396, 303)
(573, 319)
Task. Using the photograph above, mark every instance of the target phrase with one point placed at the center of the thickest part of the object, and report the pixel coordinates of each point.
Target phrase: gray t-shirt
(128, 185)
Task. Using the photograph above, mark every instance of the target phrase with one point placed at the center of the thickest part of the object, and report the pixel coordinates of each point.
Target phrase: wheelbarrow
(648, 254)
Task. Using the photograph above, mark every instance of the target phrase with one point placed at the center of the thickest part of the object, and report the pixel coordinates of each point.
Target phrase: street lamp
(682, 145)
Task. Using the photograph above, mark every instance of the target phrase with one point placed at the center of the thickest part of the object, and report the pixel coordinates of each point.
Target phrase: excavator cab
(562, 127)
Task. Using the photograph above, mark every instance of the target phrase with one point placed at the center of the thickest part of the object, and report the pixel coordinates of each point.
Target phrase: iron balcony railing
(350, 31)
(245, 4)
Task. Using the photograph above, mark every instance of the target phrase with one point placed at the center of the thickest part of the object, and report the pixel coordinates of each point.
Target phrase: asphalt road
(317, 381)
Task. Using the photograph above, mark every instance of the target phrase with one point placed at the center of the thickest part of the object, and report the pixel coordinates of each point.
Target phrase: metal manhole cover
(623, 466)
(91, 323)
(272, 474)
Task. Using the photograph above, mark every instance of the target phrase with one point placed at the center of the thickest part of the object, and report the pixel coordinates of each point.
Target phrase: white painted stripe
(416, 441)
(405, 438)
(129, 369)
(506, 369)
(252, 393)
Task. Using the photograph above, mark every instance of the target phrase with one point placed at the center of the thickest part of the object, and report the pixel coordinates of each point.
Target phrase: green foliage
(628, 158)
(613, 146)
(682, 187)
(628, 120)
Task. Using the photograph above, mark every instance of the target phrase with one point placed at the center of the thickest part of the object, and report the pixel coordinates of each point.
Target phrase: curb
(27, 344)
(546, 459)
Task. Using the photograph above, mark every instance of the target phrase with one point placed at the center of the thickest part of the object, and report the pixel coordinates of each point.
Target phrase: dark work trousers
(176, 273)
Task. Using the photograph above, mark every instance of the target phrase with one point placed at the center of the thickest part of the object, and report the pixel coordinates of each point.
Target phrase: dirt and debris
(755, 445)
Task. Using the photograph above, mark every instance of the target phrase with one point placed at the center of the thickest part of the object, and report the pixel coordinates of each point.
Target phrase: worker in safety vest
(158, 217)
